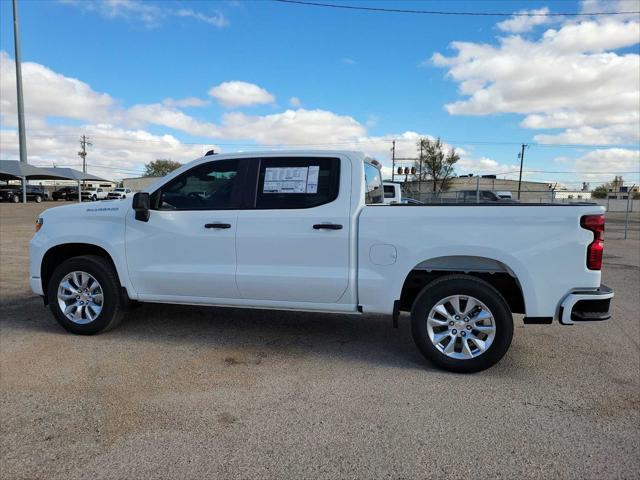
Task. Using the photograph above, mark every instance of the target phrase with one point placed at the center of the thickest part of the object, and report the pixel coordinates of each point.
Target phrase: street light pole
(21, 134)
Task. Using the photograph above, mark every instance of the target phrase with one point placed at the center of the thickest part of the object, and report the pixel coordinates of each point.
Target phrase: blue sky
(361, 79)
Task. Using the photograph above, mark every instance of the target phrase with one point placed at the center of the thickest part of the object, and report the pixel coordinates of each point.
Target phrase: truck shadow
(357, 338)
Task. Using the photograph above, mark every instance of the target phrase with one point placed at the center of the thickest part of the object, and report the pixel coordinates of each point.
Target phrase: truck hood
(89, 210)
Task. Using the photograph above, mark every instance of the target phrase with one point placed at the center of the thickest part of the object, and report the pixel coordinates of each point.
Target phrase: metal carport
(14, 170)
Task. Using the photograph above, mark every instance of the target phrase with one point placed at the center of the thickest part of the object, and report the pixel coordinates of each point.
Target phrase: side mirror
(141, 205)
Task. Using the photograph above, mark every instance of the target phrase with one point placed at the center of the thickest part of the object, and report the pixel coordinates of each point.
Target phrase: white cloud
(585, 135)
(348, 61)
(526, 21)
(217, 20)
(185, 102)
(292, 127)
(240, 94)
(372, 120)
(158, 114)
(569, 78)
(295, 102)
(150, 15)
(116, 152)
(48, 93)
(610, 160)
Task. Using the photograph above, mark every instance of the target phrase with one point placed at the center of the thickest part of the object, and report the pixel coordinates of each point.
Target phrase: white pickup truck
(95, 193)
(309, 231)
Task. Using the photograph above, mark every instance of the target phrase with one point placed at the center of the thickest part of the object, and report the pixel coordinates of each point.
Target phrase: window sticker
(312, 179)
(289, 180)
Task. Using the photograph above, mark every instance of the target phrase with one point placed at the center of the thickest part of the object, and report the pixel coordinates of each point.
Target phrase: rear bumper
(586, 306)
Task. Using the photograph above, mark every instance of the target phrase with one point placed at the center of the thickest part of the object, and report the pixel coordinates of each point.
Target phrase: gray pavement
(189, 392)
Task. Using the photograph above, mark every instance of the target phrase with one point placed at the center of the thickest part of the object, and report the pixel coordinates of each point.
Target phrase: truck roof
(285, 153)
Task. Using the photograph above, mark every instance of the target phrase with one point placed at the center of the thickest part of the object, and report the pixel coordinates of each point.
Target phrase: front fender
(106, 232)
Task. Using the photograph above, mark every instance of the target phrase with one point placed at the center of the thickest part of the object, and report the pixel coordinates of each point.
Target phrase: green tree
(435, 162)
(160, 167)
(600, 192)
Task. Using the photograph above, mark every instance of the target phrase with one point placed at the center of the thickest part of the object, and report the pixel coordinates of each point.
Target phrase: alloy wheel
(80, 297)
(461, 327)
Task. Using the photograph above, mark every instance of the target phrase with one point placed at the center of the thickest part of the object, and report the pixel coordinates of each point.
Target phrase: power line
(352, 142)
(440, 12)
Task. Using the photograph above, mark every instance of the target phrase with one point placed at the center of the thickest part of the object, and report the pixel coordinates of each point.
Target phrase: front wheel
(84, 295)
(461, 323)
(38, 199)
(16, 199)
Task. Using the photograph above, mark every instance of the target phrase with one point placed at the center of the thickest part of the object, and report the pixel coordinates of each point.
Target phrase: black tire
(38, 199)
(16, 199)
(114, 305)
(462, 285)
(94, 198)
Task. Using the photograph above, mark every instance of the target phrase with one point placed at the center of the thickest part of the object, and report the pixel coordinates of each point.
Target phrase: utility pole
(521, 155)
(393, 160)
(84, 141)
(420, 170)
(21, 134)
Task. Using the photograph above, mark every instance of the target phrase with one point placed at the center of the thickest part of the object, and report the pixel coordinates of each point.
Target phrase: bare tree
(435, 163)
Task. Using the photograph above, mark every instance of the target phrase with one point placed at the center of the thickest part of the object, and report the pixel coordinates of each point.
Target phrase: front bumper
(586, 306)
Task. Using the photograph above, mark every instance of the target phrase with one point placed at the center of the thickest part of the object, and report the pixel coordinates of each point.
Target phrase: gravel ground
(188, 392)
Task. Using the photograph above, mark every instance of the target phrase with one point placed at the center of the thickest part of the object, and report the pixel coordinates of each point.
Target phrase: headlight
(39, 222)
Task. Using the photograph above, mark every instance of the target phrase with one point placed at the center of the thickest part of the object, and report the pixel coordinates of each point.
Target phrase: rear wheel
(461, 324)
(16, 199)
(84, 295)
(38, 199)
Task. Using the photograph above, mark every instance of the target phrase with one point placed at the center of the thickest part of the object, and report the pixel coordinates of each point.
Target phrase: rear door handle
(327, 226)
(217, 225)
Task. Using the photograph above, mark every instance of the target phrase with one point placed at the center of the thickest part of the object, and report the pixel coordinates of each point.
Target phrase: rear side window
(303, 182)
(373, 192)
(209, 186)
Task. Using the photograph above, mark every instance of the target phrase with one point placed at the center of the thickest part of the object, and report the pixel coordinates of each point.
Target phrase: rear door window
(297, 182)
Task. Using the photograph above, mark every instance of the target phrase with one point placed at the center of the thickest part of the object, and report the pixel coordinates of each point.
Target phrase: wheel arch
(57, 254)
(493, 271)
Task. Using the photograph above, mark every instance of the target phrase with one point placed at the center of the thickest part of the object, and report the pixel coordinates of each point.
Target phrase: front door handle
(327, 226)
(217, 225)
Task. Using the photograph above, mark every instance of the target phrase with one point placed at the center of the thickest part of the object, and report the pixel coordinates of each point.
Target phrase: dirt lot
(187, 392)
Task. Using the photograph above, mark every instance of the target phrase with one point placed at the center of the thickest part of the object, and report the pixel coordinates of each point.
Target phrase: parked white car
(95, 193)
(309, 231)
(119, 193)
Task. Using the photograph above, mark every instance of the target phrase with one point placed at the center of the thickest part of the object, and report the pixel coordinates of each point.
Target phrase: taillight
(595, 224)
